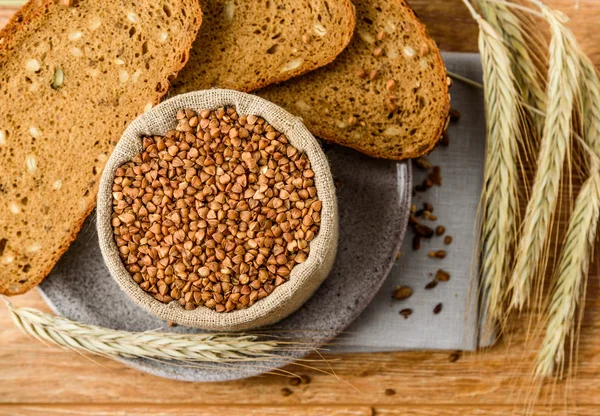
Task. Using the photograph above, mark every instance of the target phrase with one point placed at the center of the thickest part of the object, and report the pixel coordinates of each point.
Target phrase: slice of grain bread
(246, 45)
(71, 79)
(386, 95)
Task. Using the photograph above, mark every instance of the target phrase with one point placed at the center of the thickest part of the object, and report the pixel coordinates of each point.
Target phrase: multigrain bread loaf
(246, 45)
(386, 95)
(71, 79)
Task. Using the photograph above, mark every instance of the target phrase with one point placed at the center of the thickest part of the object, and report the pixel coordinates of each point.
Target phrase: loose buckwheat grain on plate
(216, 213)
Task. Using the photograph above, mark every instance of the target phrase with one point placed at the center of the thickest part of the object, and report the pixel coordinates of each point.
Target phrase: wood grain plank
(179, 410)
(341, 410)
(486, 411)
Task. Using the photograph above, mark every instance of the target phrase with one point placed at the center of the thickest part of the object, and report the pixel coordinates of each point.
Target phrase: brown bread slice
(116, 59)
(345, 104)
(246, 45)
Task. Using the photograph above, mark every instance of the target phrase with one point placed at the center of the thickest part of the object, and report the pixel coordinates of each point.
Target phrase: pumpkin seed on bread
(246, 45)
(386, 95)
(71, 79)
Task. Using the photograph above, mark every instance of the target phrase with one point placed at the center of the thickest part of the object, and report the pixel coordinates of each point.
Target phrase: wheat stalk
(571, 274)
(562, 85)
(500, 193)
(221, 348)
(572, 269)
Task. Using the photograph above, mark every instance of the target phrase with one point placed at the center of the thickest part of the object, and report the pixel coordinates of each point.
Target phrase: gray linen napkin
(380, 327)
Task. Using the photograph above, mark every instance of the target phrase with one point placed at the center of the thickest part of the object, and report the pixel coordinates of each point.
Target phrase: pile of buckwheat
(216, 213)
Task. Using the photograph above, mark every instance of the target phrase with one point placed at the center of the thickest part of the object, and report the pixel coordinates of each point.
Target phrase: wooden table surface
(40, 380)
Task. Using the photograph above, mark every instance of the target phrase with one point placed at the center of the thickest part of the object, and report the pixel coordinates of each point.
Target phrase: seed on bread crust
(34, 248)
(75, 36)
(390, 105)
(319, 29)
(58, 79)
(392, 53)
(32, 65)
(123, 76)
(14, 208)
(95, 23)
(31, 164)
(229, 11)
(390, 27)
(409, 51)
(392, 131)
(293, 64)
(132, 17)
(366, 36)
(35, 132)
(76, 52)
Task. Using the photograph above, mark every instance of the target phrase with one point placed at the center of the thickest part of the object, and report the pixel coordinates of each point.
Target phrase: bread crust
(24, 18)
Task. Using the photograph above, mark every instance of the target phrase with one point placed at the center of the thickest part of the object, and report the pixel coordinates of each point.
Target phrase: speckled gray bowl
(374, 200)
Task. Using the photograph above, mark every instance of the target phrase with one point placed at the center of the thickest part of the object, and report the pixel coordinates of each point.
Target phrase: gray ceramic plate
(374, 200)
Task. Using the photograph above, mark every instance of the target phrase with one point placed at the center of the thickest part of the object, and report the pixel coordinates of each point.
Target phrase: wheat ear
(500, 193)
(155, 345)
(571, 274)
(562, 85)
(523, 48)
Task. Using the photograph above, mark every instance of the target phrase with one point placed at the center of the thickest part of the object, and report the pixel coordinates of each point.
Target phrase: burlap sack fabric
(304, 279)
